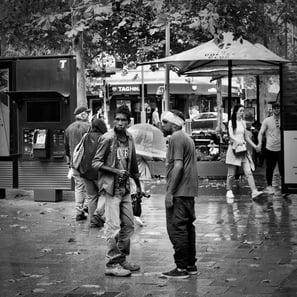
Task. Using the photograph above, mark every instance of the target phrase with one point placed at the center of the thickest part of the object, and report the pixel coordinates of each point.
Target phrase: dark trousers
(272, 158)
(181, 231)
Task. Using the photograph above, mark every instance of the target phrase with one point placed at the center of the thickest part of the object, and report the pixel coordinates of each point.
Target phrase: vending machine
(41, 96)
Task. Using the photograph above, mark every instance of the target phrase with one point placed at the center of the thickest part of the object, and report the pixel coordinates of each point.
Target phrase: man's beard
(166, 133)
(120, 130)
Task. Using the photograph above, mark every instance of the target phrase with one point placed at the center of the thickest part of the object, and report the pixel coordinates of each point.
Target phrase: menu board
(290, 164)
(289, 126)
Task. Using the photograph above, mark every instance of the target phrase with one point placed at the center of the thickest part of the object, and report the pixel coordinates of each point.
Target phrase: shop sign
(126, 89)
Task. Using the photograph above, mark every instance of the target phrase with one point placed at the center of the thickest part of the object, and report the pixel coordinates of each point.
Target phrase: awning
(37, 94)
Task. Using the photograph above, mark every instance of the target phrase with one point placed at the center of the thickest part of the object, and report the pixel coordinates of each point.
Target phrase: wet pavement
(243, 249)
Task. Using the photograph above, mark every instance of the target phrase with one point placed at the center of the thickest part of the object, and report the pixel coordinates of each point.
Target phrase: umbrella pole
(258, 97)
(229, 88)
(142, 115)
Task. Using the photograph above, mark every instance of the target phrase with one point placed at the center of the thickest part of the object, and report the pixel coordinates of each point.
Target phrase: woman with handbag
(237, 153)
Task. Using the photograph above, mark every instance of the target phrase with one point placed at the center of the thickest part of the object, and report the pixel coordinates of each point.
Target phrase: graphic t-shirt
(122, 186)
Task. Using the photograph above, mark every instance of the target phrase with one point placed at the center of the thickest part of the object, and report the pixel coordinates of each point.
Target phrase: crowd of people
(109, 179)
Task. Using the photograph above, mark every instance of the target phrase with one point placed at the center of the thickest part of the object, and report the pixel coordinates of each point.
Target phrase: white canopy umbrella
(224, 56)
(219, 54)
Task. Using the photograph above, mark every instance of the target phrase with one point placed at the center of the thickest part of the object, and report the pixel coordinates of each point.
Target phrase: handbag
(240, 149)
(78, 152)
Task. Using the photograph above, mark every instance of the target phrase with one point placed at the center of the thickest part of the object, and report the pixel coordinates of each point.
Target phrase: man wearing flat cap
(182, 187)
(73, 134)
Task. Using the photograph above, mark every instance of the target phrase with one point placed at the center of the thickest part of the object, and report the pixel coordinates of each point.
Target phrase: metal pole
(142, 115)
(258, 97)
(167, 69)
(105, 95)
(229, 88)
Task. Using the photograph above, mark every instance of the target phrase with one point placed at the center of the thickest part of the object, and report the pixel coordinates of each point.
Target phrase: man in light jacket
(115, 160)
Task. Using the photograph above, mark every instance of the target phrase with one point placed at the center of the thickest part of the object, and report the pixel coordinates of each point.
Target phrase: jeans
(80, 195)
(272, 158)
(246, 167)
(96, 203)
(119, 227)
(181, 231)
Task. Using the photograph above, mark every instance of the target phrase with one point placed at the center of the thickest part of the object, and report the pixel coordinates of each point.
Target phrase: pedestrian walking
(115, 160)
(73, 134)
(182, 187)
(270, 129)
(238, 155)
(156, 118)
(96, 203)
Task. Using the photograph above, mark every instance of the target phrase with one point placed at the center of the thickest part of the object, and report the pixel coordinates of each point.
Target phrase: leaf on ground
(72, 253)
(46, 250)
(45, 284)
(38, 290)
(230, 280)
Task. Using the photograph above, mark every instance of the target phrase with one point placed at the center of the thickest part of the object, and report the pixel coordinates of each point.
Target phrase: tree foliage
(134, 29)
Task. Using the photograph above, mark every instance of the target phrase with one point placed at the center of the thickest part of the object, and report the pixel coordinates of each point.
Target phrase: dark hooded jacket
(98, 128)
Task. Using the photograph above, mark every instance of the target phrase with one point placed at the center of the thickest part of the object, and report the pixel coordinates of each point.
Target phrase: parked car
(207, 122)
(204, 130)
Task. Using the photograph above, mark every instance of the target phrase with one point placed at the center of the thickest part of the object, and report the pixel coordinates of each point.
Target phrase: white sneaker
(117, 270)
(138, 221)
(229, 194)
(269, 190)
(256, 194)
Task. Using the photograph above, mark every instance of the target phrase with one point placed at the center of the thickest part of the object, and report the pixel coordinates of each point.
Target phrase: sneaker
(80, 217)
(96, 222)
(130, 266)
(229, 194)
(269, 190)
(117, 270)
(192, 269)
(176, 273)
(138, 221)
(256, 194)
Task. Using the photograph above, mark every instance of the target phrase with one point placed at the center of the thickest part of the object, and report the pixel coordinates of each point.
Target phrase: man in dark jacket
(116, 161)
(73, 134)
(95, 202)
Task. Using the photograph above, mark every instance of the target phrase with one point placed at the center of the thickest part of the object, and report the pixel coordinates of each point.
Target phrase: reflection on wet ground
(244, 248)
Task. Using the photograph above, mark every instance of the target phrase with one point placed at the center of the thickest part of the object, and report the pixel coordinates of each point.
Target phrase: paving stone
(243, 249)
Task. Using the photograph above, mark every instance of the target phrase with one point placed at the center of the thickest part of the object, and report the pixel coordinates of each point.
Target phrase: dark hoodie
(98, 128)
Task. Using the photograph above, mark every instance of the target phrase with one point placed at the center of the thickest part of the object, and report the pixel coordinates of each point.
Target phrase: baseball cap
(81, 109)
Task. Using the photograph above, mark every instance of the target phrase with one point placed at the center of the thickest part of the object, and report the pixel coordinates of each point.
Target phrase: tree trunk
(80, 66)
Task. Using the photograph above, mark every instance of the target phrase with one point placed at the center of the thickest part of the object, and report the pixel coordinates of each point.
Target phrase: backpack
(85, 168)
(78, 153)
